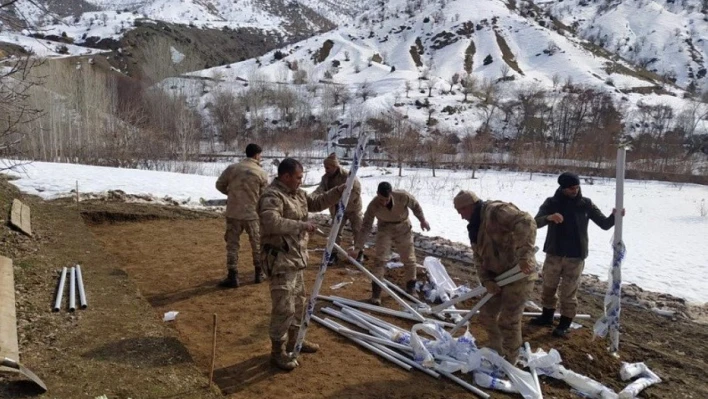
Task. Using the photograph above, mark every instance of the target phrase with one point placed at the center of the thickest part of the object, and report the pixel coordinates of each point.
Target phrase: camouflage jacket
(283, 214)
(506, 237)
(339, 178)
(243, 183)
(402, 201)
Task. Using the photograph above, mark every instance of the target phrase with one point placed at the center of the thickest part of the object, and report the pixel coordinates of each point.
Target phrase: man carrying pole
(502, 237)
(335, 176)
(566, 214)
(391, 207)
(611, 320)
(283, 209)
(243, 183)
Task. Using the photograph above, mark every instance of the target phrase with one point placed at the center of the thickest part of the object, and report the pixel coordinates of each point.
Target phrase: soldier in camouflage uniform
(501, 236)
(244, 183)
(334, 176)
(391, 207)
(283, 210)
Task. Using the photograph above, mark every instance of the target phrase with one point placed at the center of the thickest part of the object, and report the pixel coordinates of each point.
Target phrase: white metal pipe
(471, 313)
(403, 292)
(410, 361)
(362, 323)
(372, 319)
(465, 384)
(60, 290)
(378, 309)
(373, 339)
(508, 273)
(80, 283)
(533, 371)
(468, 295)
(619, 193)
(333, 326)
(72, 289)
(380, 283)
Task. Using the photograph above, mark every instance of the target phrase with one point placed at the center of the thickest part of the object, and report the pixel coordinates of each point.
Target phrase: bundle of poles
(76, 283)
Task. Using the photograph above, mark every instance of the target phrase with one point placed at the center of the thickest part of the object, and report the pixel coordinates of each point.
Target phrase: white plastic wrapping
(586, 385)
(487, 381)
(521, 380)
(629, 371)
(443, 343)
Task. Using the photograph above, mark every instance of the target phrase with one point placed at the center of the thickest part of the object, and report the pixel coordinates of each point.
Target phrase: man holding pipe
(502, 237)
(566, 214)
(283, 210)
(391, 207)
(334, 176)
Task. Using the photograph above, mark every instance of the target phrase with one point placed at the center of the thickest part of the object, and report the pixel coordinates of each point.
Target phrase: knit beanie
(567, 179)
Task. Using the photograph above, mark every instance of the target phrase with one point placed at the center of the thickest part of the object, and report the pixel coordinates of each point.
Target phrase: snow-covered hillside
(113, 18)
(669, 37)
(413, 56)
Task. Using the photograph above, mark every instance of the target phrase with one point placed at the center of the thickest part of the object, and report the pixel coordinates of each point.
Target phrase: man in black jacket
(566, 214)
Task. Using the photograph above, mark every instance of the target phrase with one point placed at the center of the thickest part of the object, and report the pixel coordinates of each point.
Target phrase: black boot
(333, 259)
(410, 287)
(360, 257)
(545, 319)
(260, 276)
(563, 327)
(375, 294)
(231, 280)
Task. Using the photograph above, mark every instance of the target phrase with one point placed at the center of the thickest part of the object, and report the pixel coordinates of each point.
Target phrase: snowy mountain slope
(669, 37)
(282, 16)
(390, 48)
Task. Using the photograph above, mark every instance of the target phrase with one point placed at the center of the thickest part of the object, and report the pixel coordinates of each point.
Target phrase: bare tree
(436, 146)
(365, 91)
(469, 85)
(16, 111)
(228, 115)
(504, 69)
(399, 137)
(163, 59)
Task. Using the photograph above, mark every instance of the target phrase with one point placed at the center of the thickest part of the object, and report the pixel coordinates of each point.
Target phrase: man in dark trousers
(566, 214)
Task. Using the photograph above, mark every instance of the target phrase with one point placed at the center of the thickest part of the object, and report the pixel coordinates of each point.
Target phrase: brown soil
(121, 348)
(186, 260)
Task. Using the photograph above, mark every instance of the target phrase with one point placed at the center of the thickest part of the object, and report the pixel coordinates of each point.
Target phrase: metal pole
(533, 371)
(72, 289)
(341, 206)
(80, 283)
(60, 290)
(618, 243)
(471, 313)
(334, 327)
(380, 283)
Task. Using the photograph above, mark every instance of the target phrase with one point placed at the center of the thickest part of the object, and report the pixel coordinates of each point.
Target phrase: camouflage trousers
(400, 236)
(562, 274)
(355, 219)
(501, 318)
(287, 293)
(234, 228)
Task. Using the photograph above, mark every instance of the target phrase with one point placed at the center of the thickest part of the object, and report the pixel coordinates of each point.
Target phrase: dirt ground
(141, 261)
(177, 263)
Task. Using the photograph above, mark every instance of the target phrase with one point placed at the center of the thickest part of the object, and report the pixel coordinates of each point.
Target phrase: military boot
(375, 294)
(410, 287)
(333, 258)
(563, 327)
(279, 358)
(545, 319)
(231, 280)
(360, 257)
(259, 275)
(307, 346)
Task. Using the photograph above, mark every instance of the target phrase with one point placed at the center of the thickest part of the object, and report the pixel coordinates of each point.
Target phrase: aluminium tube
(80, 283)
(60, 290)
(333, 326)
(72, 289)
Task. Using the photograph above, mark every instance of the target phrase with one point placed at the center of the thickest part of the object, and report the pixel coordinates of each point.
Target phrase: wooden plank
(20, 217)
(9, 346)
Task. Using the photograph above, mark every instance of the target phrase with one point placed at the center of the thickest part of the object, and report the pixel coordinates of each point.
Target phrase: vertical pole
(341, 206)
(213, 351)
(618, 253)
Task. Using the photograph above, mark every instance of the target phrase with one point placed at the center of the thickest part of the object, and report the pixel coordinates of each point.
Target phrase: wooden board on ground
(9, 346)
(20, 217)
